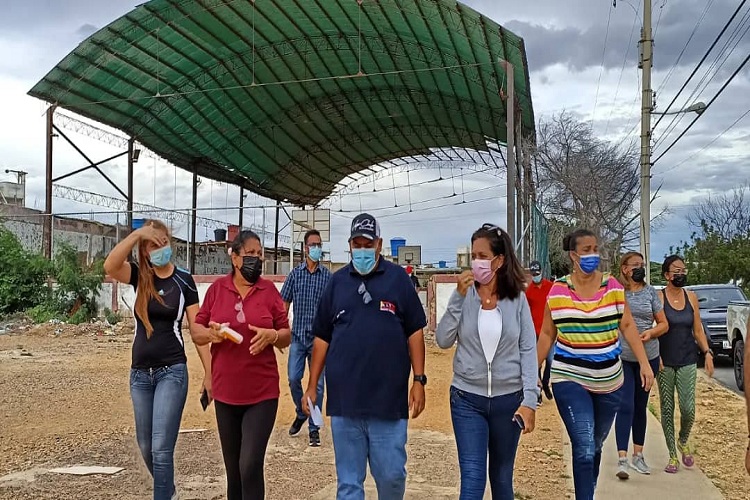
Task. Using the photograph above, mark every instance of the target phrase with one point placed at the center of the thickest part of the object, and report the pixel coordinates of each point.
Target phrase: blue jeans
(548, 366)
(381, 442)
(588, 418)
(632, 412)
(158, 396)
(298, 355)
(483, 424)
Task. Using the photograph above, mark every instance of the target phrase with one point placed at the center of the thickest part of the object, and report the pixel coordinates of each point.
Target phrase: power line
(723, 87)
(622, 70)
(711, 73)
(601, 67)
(693, 155)
(682, 52)
(703, 59)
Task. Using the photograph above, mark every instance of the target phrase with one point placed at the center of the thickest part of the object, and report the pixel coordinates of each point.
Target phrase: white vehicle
(738, 323)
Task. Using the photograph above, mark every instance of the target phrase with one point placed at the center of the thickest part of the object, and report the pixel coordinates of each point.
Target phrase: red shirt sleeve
(204, 315)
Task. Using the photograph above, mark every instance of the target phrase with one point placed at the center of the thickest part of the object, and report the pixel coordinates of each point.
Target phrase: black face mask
(251, 268)
(639, 274)
(679, 280)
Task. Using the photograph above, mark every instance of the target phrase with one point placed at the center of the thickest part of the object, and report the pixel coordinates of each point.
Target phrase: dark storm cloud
(581, 47)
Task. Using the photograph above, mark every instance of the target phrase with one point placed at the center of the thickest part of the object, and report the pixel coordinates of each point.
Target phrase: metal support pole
(520, 191)
(510, 106)
(242, 207)
(193, 221)
(276, 241)
(48, 226)
(131, 142)
(646, 108)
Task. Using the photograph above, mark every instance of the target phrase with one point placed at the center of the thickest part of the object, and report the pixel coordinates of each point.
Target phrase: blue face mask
(589, 263)
(537, 279)
(315, 253)
(364, 260)
(161, 256)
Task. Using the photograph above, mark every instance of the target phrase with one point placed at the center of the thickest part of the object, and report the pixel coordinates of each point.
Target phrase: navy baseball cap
(535, 267)
(366, 226)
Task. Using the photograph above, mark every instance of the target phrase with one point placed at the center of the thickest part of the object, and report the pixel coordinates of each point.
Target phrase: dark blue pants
(588, 418)
(481, 425)
(632, 412)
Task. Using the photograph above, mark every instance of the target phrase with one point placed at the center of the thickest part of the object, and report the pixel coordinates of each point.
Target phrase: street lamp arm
(698, 107)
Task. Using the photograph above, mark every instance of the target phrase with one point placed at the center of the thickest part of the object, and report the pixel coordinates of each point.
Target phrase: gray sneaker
(622, 469)
(639, 464)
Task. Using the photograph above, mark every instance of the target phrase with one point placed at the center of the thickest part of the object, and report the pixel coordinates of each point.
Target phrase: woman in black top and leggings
(158, 375)
(679, 359)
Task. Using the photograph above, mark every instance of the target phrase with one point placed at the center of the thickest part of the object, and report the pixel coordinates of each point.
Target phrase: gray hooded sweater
(514, 367)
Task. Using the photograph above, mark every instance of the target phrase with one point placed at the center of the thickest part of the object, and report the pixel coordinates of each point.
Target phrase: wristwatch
(422, 379)
(709, 351)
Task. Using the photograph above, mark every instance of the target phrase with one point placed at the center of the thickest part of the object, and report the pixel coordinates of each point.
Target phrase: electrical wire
(695, 154)
(703, 59)
(711, 73)
(723, 87)
(601, 67)
(622, 70)
(682, 52)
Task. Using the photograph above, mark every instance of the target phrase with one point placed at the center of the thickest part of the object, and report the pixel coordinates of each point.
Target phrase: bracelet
(276, 339)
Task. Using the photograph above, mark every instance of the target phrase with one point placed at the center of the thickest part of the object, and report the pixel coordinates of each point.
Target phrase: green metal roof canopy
(288, 97)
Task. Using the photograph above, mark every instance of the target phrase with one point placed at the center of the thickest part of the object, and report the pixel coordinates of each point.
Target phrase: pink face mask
(482, 270)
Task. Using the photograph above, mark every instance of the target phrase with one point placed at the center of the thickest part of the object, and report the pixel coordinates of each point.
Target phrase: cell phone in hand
(518, 419)
(205, 401)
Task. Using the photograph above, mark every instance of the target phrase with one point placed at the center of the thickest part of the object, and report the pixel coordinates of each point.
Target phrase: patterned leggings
(683, 379)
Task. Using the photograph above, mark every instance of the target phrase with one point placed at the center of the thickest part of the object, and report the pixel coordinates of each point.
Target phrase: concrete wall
(94, 240)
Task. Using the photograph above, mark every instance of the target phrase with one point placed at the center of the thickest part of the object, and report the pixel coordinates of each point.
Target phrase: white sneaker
(639, 464)
(622, 469)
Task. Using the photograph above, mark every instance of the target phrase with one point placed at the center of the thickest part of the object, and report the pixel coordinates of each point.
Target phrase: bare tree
(727, 214)
(586, 182)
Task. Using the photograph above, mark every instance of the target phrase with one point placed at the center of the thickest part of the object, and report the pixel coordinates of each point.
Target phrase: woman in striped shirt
(586, 311)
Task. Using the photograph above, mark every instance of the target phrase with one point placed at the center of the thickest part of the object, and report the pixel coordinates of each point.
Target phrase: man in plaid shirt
(303, 287)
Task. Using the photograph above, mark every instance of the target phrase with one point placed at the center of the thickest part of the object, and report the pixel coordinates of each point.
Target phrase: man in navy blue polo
(369, 336)
(303, 287)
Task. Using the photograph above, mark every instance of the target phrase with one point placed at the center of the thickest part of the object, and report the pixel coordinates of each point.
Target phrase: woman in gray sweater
(493, 396)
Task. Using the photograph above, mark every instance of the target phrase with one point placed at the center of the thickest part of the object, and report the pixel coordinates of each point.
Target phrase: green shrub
(23, 276)
(78, 284)
(111, 316)
(43, 313)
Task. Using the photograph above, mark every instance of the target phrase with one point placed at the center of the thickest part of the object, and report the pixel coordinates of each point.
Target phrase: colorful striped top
(587, 350)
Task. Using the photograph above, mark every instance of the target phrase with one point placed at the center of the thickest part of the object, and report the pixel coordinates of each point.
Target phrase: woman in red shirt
(244, 377)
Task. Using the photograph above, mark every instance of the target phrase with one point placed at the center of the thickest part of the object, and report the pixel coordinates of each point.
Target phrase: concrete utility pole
(647, 104)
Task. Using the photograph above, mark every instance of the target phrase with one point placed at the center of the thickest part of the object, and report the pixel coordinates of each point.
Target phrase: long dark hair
(510, 276)
(668, 263)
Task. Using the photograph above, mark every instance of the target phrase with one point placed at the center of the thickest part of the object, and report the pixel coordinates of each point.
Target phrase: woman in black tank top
(677, 349)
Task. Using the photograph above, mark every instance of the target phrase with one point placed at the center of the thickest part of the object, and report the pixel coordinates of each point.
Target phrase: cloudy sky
(582, 57)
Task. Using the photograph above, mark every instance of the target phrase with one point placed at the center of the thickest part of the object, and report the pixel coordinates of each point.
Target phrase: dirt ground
(719, 436)
(64, 401)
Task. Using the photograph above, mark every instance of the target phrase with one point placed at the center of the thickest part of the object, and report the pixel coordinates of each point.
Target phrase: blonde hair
(623, 261)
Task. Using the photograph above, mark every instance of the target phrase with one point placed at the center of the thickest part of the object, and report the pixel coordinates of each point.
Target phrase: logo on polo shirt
(388, 306)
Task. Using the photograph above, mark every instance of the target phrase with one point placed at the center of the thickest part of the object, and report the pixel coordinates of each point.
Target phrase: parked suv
(713, 301)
